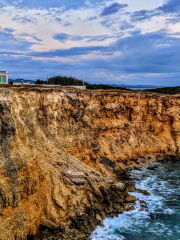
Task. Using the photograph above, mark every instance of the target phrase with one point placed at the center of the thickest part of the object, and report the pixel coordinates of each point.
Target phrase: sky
(100, 41)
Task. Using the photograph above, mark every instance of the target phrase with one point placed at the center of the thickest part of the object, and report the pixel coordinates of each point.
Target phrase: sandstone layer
(62, 154)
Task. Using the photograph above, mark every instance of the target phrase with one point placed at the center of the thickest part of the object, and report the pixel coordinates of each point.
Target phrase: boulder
(144, 192)
(130, 199)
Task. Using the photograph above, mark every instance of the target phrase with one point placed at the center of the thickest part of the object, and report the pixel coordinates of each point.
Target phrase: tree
(38, 81)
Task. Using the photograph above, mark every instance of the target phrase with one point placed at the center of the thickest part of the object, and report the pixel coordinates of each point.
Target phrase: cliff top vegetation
(72, 81)
(164, 90)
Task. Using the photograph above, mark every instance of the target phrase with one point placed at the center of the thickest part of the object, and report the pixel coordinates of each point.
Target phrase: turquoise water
(163, 183)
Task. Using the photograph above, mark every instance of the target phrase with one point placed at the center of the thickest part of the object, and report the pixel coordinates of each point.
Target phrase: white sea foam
(129, 225)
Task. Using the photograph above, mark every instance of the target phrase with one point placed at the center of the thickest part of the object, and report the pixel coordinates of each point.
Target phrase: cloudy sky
(102, 41)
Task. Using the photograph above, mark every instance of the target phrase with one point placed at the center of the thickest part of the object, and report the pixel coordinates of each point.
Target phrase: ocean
(162, 181)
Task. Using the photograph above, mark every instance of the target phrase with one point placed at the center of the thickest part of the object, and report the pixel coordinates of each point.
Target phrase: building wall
(80, 87)
(3, 78)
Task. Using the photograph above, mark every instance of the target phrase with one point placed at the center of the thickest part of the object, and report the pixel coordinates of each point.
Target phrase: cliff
(63, 153)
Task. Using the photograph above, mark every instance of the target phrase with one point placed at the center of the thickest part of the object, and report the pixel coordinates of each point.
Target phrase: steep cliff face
(61, 153)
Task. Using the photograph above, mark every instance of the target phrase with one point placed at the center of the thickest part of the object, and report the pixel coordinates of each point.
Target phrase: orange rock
(130, 198)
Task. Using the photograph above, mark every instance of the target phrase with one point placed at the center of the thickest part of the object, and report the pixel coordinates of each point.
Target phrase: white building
(3, 77)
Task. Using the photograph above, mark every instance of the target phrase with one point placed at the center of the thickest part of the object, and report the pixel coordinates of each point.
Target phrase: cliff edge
(63, 154)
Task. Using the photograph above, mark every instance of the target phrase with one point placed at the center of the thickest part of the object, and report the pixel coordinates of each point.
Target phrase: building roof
(3, 72)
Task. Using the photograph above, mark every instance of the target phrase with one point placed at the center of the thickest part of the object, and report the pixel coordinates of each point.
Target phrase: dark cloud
(10, 30)
(4, 36)
(172, 20)
(32, 36)
(107, 22)
(11, 43)
(172, 6)
(67, 24)
(77, 38)
(125, 25)
(11, 53)
(99, 38)
(76, 51)
(37, 39)
(113, 8)
(23, 20)
(143, 15)
(58, 20)
(61, 37)
(148, 53)
(91, 18)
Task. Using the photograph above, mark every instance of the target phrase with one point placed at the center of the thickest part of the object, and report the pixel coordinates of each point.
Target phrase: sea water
(163, 183)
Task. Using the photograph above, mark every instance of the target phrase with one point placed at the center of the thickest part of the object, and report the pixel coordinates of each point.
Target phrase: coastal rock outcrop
(63, 155)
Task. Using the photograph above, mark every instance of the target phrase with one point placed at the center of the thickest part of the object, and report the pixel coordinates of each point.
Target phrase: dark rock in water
(158, 215)
(137, 168)
(142, 202)
(152, 167)
(144, 206)
(144, 192)
(155, 215)
(152, 216)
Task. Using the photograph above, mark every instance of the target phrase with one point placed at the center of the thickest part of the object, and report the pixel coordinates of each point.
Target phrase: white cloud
(44, 25)
(110, 77)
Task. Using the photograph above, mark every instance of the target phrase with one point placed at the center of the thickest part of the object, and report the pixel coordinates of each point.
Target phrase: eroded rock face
(62, 154)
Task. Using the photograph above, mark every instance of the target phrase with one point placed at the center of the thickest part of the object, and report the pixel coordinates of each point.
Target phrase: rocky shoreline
(109, 198)
(105, 197)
